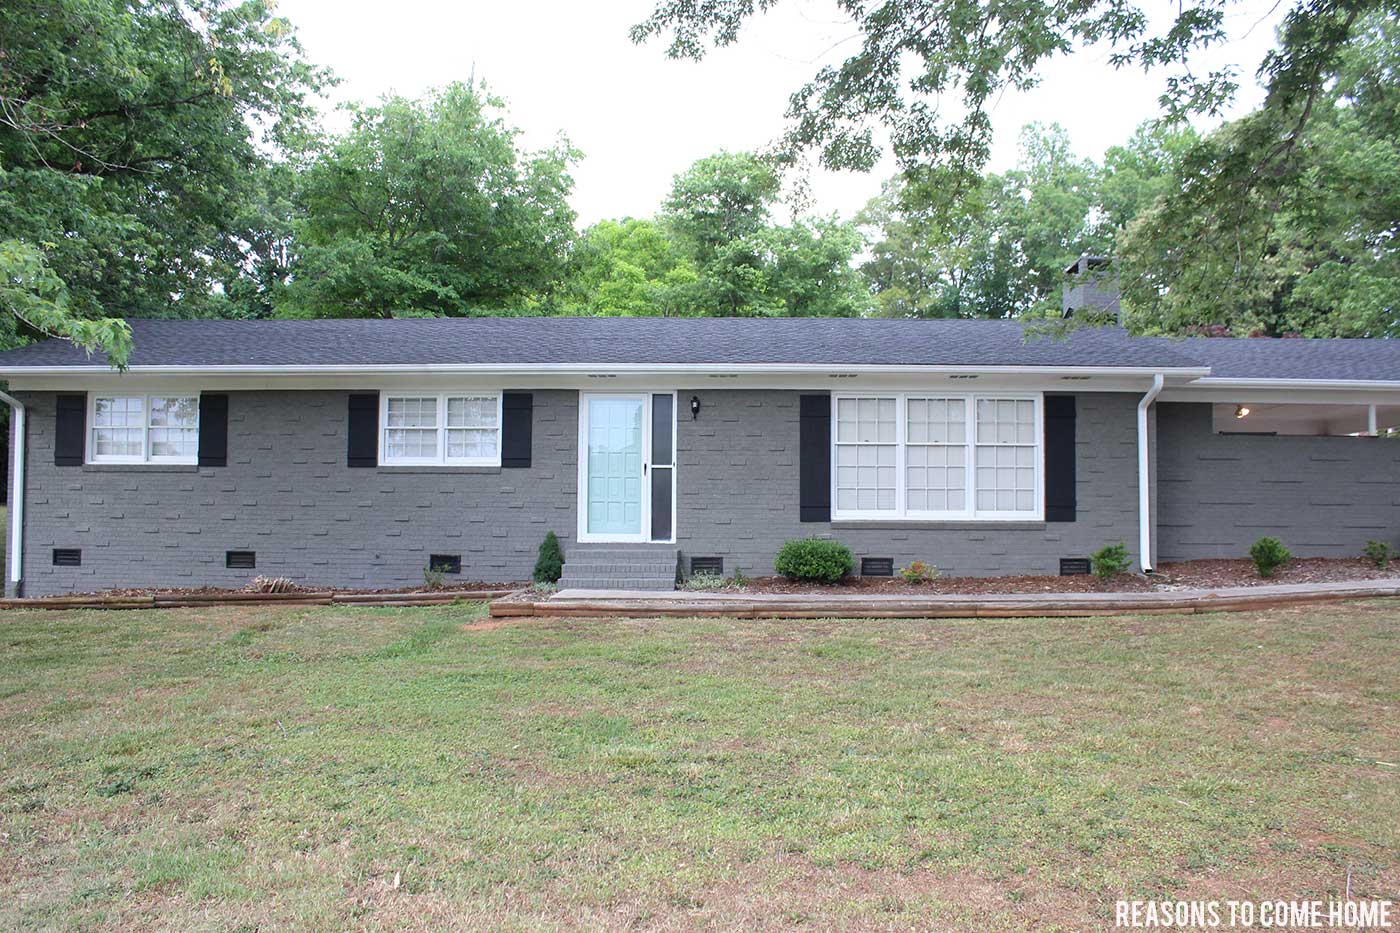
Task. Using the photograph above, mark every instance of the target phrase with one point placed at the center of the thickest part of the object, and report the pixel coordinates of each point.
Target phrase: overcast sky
(639, 118)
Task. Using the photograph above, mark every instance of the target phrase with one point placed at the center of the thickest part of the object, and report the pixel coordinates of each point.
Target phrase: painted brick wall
(1218, 493)
(738, 493)
(288, 495)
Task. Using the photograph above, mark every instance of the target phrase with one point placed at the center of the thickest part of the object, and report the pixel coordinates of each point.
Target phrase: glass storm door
(615, 487)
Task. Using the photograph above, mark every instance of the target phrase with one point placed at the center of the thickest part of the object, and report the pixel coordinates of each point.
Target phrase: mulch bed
(215, 591)
(1187, 575)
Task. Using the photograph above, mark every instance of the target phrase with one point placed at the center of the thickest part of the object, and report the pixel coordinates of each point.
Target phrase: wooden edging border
(945, 608)
(175, 601)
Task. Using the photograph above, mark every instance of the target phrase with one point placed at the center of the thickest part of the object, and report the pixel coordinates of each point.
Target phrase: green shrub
(706, 581)
(1378, 553)
(433, 578)
(919, 572)
(816, 560)
(1268, 555)
(1110, 560)
(549, 566)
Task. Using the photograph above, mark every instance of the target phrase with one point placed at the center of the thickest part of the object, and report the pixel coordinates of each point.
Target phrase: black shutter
(70, 430)
(362, 433)
(517, 425)
(814, 458)
(213, 430)
(1060, 501)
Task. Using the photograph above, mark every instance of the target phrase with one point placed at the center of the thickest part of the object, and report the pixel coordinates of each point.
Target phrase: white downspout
(1144, 490)
(16, 548)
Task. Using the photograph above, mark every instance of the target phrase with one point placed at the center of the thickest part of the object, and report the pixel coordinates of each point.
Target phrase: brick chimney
(1091, 284)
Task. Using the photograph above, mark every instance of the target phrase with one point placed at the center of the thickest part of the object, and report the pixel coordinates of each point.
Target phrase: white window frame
(970, 513)
(440, 426)
(146, 457)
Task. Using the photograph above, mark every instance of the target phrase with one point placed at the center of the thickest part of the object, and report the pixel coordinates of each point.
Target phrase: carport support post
(1144, 490)
(15, 551)
(1371, 428)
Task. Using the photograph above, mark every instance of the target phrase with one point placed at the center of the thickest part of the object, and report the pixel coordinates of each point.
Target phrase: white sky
(640, 118)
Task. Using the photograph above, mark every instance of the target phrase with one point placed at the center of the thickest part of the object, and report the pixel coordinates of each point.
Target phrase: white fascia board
(1192, 372)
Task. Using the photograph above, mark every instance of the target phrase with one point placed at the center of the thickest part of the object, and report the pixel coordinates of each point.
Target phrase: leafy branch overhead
(926, 71)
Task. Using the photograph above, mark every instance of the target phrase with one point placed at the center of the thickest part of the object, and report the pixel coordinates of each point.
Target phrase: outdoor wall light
(1241, 411)
(694, 407)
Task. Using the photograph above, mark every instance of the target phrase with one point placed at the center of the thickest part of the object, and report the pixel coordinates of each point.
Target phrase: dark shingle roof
(829, 342)
(1293, 358)
(699, 341)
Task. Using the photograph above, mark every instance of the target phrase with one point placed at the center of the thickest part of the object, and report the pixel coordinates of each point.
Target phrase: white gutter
(16, 548)
(1144, 490)
(1223, 382)
(584, 368)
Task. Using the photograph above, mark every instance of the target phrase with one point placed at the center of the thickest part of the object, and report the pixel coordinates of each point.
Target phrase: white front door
(614, 503)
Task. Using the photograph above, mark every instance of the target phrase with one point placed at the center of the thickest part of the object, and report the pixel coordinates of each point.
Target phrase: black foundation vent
(241, 560)
(445, 563)
(1074, 566)
(67, 557)
(877, 566)
(711, 565)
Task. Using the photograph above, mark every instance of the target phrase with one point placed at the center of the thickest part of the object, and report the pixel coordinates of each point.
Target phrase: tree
(920, 59)
(430, 207)
(999, 249)
(721, 199)
(719, 214)
(1310, 245)
(128, 135)
(628, 267)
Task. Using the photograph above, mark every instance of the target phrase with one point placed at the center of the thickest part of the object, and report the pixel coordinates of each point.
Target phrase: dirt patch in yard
(1186, 575)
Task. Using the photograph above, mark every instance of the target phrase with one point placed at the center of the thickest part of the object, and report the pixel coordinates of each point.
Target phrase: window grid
(952, 456)
(144, 429)
(867, 454)
(456, 429)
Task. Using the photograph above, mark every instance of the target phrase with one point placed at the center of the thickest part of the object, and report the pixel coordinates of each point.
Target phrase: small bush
(1110, 560)
(1268, 555)
(549, 565)
(433, 578)
(705, 581)
(1378, 553)
(919, 572)
(815, 560)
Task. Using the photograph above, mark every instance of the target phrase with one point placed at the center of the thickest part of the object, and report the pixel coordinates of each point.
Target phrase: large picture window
(456, 429)
(937, 456)
(144, 429)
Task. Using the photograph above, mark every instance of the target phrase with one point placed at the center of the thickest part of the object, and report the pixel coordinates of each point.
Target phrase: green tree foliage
(1000, 249)
(430, 207)
(130, 138)
(1311, 245)
(628, 267)
(720, 217)
(915, 55)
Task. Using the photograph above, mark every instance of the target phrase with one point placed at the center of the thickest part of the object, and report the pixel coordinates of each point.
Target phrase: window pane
(412, 413)
(174, 412)
(116, 442)
(118, 412)
(174, 442)
(415, 443)
(1005, 478)
(1005, 421)
(471, 444)
(936, 421)
(471, 412)
(935, 478)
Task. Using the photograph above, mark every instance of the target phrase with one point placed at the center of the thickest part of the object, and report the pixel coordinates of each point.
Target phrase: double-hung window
(143, 429)
(453, 428)
(937, 456)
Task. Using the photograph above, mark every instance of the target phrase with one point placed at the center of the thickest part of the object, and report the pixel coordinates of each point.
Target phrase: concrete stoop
(635, 567)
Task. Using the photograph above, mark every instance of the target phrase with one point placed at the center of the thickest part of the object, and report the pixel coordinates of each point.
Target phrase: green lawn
(260, 768)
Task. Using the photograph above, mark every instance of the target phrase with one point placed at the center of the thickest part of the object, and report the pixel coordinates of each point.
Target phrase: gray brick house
(357, 453)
